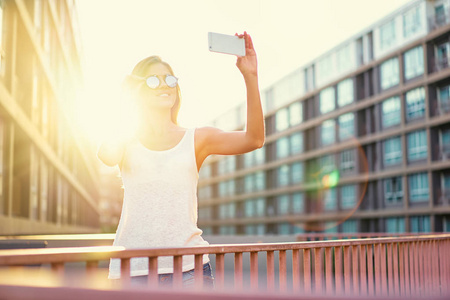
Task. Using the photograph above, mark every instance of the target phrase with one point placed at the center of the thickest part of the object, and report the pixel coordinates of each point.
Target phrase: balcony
(400, 266)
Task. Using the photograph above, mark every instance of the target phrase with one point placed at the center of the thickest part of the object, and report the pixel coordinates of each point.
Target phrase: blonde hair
(131, 83)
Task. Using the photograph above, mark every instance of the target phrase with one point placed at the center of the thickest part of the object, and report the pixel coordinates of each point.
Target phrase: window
(392, 151)
(250, 229)
(387, 34)
(347, 161)
(327, 132)
(296, 143)
(226, 188)
(284, 228)
(298, 203)
(389, 73)
(444, 99)
(260, 207)
(327, 101)
(395, 225)
(282, 145)
(205, 213)
(345, 93)
(346, 126)
(226, 165)
(255, 157)
(350, 226)
(344, 58)
(412, 22)
(260, 180)
(393, 190)
(441, 16)
(249, 208)
(415, 103)
(327, 164)
(205, 171)
(417, 145)
(446, 185)
(442, 54)
(283, 175)
(413, 60)
(348, 196)
(283, 203)
(418, 187)
(295, 114)
(227, 210)
(282, 119)
(390, 112)
(297, 172)
(329, 199)
(205, 192)
(445, 142)
(420, 224)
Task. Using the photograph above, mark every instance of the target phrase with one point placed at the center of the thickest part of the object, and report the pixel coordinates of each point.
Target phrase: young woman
(159, 166)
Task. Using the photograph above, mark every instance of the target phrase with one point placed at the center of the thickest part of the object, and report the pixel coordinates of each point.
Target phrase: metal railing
(393, 266)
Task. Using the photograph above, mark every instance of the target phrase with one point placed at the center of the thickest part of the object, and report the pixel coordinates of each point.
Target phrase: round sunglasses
(154, 82)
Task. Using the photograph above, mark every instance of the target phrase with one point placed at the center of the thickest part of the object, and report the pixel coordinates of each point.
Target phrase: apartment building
(49, 180)
(356, 140)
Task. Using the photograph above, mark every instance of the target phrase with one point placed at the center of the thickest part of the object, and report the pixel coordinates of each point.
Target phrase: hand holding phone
(227, 44)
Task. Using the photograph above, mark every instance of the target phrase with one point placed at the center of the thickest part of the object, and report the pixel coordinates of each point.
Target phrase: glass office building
(356, 140)
(48, 174)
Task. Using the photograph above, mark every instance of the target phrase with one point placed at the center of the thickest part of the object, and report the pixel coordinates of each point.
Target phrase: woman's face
(161, 97)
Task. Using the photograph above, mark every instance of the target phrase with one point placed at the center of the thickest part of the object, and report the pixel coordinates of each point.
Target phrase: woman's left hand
(247, 64)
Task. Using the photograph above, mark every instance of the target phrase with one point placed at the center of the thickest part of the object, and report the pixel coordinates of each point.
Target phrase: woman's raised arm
(216, 141)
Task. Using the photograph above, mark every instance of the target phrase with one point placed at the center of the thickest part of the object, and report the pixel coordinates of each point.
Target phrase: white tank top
(160, 204)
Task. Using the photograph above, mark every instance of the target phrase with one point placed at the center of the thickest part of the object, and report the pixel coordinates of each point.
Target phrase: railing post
(416, 269)
(177, 271)
(270, 271)
(307, 270)
(91, 267)
(295, 270)
(390, 270)
(329, 271)
(370, 259)
(254, 270)
(338, 270)
(355, 270)
(153, 277)
(318, 271)
(396, 271)
(198, 271)
(220, 270)
(362, 269)
(384, 274)
(125, 270)
(347, 270)
(58, 268)
(282, 269)
(238, 273)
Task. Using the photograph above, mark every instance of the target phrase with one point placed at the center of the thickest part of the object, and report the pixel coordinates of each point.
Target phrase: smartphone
(228, 44)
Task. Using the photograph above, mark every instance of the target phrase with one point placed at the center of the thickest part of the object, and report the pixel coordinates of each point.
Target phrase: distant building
(49, 179)
(357, 140)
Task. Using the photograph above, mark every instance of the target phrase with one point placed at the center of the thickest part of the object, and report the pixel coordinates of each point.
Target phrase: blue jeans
(166, 280)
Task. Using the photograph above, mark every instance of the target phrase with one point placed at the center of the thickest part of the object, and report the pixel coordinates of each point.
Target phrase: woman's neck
(156, 123)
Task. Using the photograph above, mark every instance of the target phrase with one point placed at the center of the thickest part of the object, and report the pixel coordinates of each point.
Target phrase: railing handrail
(96, 253)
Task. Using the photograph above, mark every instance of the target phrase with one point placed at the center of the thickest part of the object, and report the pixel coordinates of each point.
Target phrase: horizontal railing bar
(75, 254)
(56, 293)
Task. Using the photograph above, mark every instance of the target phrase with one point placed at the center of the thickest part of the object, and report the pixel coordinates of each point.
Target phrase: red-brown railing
(355, 235)
(393, 266)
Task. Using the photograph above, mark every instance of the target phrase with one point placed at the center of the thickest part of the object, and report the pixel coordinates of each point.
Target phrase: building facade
(48, 174)
(356, 140)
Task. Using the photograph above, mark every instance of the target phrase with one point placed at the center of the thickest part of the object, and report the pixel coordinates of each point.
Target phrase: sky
(287, 34)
